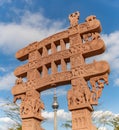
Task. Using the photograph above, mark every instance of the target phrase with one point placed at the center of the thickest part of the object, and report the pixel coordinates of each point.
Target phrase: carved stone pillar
(79, 105)
(30, 111)
(31, 124)
(81, 119)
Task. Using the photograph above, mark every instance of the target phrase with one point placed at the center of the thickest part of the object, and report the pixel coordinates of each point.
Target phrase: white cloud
(100, 114)
(59, 92)
(2, 103)
(2, 69)
(6, 123)
(32, 27)
(102, 128)
(102, 119)
(61, 115)
(112, 54)
(7, 81)
(117, 82)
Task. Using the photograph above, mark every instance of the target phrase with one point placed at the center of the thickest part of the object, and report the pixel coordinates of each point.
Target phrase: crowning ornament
(66, 49)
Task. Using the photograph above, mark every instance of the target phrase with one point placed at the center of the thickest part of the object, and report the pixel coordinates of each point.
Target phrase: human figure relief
(31, 104)
(73, 18)
(78, 96)
(100, 87)
(37, 106)
(95, 35)
(18, 81)
(97, 84)
(87, 37)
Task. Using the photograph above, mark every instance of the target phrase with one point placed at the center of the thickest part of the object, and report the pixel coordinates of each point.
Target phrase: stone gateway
(58, 60)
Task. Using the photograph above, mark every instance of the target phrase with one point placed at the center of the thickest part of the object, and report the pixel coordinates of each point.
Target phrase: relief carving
(79, 71)
(79, 93)
(34, 55)
(31, 104)
(73, 18)
(81, 120)
(75, 39)
(77, 60)
(90, 18)
(18, 81)
(97, 84)
(21, 70)
(88, 37)
(30, 84)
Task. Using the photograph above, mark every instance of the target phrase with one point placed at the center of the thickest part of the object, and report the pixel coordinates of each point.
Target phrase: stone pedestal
(81, 119)
(31, 124)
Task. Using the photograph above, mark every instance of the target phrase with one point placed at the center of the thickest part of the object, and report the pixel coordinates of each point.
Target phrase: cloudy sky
(25, 21)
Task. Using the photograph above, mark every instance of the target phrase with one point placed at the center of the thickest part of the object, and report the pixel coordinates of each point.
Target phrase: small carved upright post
(30, 111)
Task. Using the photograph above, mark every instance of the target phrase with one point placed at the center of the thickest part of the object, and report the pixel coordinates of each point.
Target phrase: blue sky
(25, 21)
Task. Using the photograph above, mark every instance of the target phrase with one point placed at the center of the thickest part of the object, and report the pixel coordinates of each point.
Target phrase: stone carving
(79, 93)
(74, 17)
(87, 80)
(18, 81)
(97, 84)
(90, 18)
(31, 104)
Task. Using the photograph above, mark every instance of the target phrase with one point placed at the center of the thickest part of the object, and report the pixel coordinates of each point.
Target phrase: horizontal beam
(87, 71)
(89, 26)
(89, 49)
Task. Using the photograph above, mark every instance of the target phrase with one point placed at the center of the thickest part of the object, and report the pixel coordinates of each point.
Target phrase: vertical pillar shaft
(31, 124)
(55, 119)
(55, 107)
(81, 119)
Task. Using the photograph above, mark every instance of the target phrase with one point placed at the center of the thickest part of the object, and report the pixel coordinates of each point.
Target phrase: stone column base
(81, 119)
(31, 124)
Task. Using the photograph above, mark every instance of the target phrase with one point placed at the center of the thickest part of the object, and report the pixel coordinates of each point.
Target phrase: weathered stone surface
(60, 59)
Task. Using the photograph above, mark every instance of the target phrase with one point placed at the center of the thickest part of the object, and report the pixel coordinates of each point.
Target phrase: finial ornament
(73, 18)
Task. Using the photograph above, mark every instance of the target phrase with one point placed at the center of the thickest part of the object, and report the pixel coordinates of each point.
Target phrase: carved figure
(87, 37)
(90, 18)
(97, 84)
(31, 104)
(18, 81)
(73, 18)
